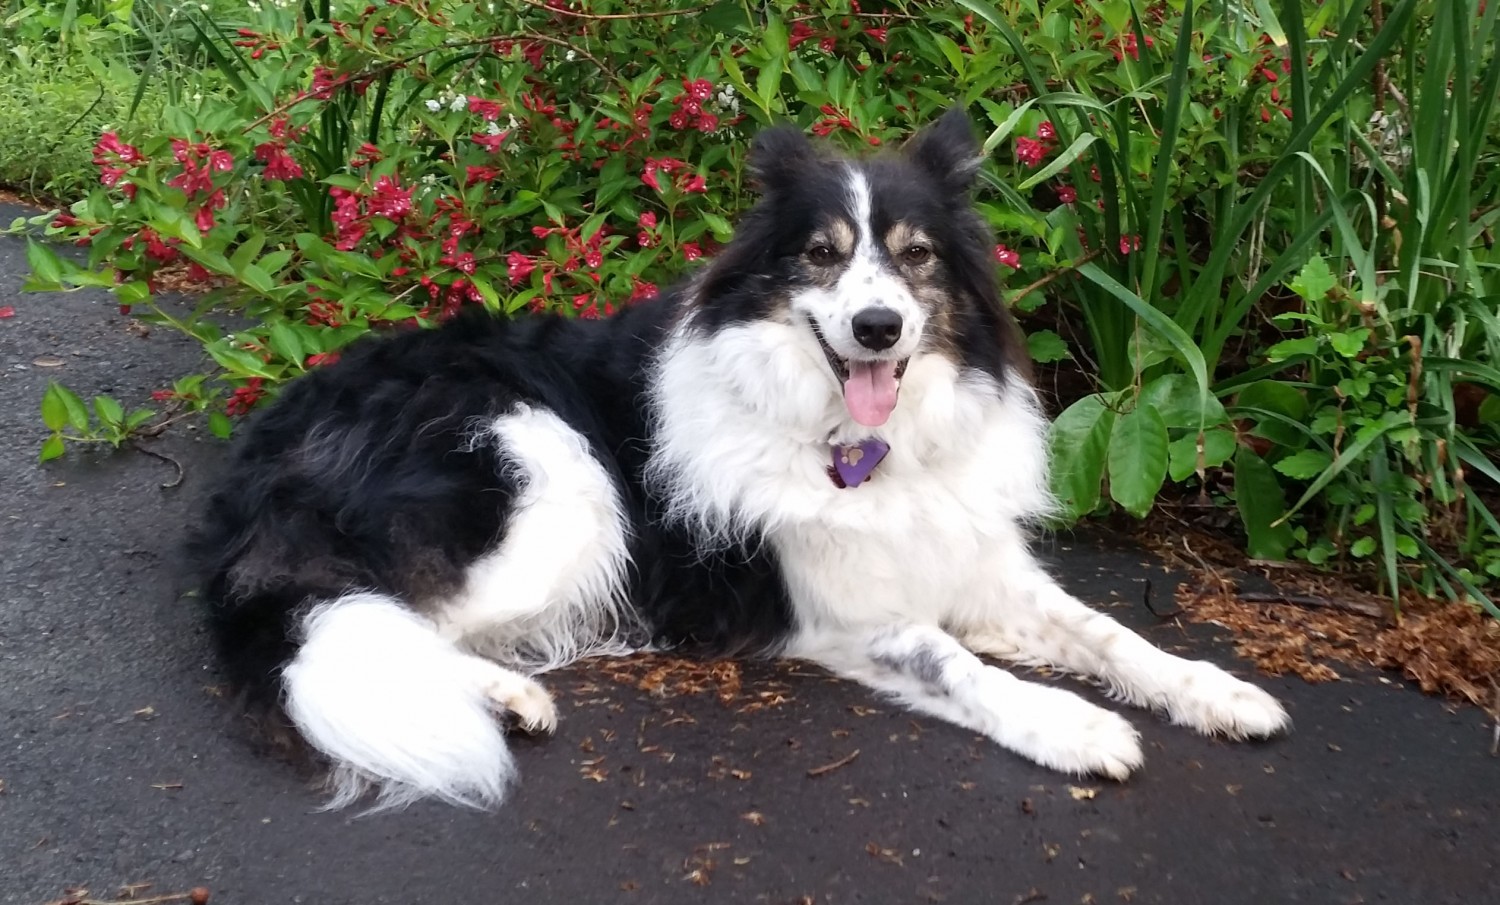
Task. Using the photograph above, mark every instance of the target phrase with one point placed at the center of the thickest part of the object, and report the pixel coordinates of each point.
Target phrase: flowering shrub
(374, 166)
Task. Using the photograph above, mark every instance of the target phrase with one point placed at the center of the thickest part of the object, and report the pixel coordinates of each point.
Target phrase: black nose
(877, 328)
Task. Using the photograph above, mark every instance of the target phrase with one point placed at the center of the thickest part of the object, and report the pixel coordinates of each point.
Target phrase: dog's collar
(852, 464)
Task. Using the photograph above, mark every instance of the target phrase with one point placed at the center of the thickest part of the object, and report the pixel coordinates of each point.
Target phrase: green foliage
(1279, 273)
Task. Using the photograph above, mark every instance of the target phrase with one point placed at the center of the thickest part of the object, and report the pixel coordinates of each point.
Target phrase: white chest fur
(744, 419)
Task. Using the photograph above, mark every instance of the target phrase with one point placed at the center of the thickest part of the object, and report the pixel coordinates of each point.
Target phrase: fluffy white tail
(398, 708)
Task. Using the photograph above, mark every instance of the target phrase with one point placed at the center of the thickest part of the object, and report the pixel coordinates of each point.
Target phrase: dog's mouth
(870, 386)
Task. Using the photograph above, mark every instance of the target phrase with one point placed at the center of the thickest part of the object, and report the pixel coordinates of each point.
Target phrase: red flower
(877, 33)
(1009, 257)
(389, 200)
(1029, 151)
(518, 266)
(708, 122)
(640, 289)
(701, 90)
(647, 220)
(163, 395)
(1045, 131)
(828, 44)
(322, 358)
(242, 400)
(204, 219)
(1067, 194)
(490, 110)
(479, 174)
(694, 184)
(1129, 244)
(7, 311)
(691, 251)
(801, 31)
(279, 164)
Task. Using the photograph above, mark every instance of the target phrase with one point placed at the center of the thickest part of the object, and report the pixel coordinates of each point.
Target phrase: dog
(823, 445)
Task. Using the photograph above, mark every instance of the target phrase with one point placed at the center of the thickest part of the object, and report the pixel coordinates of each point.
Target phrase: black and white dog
(823, 446)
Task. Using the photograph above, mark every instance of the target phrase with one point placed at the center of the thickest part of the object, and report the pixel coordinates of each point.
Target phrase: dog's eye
(915, 254)
(822, 255)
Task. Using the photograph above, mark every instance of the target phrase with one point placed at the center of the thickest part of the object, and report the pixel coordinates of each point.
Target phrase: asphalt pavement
(122, 764)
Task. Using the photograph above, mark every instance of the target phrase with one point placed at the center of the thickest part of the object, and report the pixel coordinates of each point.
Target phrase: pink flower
(490, 143)
(647, 220)
(695, 184)
(1009, 257)
(1129, 244)
(518, 266)
(1029, 151)
(488, 109)
(701, 90)
(642, 290)
(877, 33)
(389, 200)
(691, 251)
(1067, 194)
(593, 258)
(1045, 131)
(708, 122)
(279, 164)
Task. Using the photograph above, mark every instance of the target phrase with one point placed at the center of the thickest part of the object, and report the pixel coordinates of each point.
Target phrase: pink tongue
(870, 391)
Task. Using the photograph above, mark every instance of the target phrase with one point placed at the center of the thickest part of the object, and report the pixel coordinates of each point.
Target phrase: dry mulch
(1290, 619)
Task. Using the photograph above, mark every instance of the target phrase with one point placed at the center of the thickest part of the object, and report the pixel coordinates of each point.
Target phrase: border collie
(822, 446)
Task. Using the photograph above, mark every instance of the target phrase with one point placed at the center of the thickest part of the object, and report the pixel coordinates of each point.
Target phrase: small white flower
(429, 179)
(459, 103)
(493, 127)
(513, 123)
(434, 105)
(571, 55)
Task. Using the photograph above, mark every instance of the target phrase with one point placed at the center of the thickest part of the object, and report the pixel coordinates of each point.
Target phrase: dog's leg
(1034, 621)
(553, 589)
(930, 671)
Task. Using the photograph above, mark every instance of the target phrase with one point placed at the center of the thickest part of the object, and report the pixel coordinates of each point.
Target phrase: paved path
(120, 766)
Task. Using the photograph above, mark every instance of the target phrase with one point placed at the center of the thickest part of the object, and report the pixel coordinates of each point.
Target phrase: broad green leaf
(109, 411)
(52, 447)
(1304, 464)
(1348, 344)
(1079, 444)
(54, 410)
(1257, 495)
(1175, 398)
(1137, 459)
(45, 265)
(284, 342)
(1302, 345)
(1273, 396)
(1182, 454)
(219, 425)
(77, 412)
(1362, 547)
(1046, 346)
(1314, 281)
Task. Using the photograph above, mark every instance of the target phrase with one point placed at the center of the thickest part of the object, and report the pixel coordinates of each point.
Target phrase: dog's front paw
(1074, 736)
(1213, 702)
(531, 704)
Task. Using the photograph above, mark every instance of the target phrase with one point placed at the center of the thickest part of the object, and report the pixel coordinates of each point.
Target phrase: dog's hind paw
(530, 703)
(1213, 702)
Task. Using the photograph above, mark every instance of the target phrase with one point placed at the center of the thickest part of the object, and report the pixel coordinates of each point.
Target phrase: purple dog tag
(852, 464)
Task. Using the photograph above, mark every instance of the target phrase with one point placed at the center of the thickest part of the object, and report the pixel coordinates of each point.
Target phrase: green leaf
(1273, 396)
(1304, 465)
(77, 413)
(54, 410)
(109, 411)
(1138, 459)
(1046, 346)
(1348, 344)
(219, 425)
(45, 265)
(1315, 280)
(1406, 546)
(1079, 444)
(1060, 162)
(1257, 495)
(283, 341)
(1362, 547)
(1176, 399)
(1182, 454)
(1302, 345)
(52, 447)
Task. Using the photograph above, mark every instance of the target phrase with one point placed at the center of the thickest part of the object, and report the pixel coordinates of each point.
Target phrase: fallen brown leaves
(1446, 648)
(667, 676)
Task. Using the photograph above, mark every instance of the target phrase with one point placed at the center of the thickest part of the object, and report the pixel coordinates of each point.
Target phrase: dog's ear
(948, 151)
(777, 155)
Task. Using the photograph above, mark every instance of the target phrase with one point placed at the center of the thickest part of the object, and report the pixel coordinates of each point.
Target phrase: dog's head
(880, 260)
